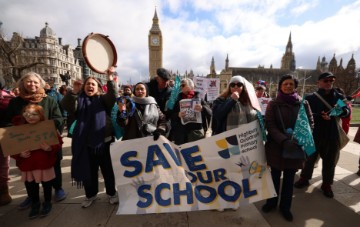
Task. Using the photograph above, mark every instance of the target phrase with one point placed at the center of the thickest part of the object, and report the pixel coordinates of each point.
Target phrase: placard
(17, 139)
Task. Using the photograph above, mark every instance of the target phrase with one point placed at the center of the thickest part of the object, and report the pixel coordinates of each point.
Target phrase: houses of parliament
(50, 58)
(271, 74)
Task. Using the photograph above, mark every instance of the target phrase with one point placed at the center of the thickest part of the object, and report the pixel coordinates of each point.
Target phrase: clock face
(155, 40)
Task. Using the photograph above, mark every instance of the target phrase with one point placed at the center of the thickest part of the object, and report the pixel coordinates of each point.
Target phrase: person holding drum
(92, 136)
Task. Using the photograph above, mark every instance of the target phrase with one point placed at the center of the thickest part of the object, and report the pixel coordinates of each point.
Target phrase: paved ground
(310, 208)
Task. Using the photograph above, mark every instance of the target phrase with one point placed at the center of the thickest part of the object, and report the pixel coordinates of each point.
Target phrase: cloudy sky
(251, 32)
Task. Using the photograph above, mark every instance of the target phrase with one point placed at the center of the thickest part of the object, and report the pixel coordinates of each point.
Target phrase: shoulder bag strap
(323, 100)
(281, 120)
(326, 104)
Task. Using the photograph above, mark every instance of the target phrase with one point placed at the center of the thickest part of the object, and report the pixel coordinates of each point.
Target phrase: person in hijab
(147, 118)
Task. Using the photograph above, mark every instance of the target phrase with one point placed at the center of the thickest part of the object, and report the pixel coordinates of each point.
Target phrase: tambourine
(99, 52)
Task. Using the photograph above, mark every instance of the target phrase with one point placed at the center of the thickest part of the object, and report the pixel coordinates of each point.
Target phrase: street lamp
(305, 79)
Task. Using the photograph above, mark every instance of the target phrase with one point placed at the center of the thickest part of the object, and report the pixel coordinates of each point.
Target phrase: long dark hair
(244, 96)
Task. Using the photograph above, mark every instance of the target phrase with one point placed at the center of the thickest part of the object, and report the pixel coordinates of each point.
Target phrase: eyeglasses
(30, 115)
(183, 85)
(236, 84)
(329, 80)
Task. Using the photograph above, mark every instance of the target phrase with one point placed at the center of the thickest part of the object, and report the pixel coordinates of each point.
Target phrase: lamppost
(305, 79)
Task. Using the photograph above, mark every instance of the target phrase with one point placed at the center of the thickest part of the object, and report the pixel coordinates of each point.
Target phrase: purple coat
(276, 133)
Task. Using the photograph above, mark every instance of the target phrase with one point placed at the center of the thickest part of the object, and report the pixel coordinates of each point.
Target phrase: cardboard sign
(17, 139)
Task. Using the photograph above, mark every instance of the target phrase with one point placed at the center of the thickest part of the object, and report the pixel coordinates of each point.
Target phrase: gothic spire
(155, 26)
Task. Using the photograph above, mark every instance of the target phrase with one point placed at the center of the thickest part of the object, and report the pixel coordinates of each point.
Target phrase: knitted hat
(127, 86)
(237, 79)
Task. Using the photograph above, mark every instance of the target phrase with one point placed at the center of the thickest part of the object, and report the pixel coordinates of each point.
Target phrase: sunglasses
(236, 84)
(329, 80)
(183, 85)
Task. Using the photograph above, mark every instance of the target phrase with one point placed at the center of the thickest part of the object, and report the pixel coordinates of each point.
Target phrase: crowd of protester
(142, 110)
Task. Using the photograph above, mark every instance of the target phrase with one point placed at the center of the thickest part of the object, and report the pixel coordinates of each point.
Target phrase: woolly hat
(249, 88)
(127, 86)
(237, 79)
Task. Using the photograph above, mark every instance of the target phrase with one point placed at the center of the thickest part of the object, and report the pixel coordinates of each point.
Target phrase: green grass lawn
(355, 114)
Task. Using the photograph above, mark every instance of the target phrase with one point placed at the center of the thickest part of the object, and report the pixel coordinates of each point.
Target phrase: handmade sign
(207, 86)
(20, 138)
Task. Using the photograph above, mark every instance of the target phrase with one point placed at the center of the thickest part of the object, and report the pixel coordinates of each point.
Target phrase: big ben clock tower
(155, 47)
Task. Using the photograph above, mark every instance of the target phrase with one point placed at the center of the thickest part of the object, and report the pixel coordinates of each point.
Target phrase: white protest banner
(224, 171)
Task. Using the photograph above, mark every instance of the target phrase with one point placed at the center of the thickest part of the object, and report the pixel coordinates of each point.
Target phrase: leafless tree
(10, 55)
(347, 79)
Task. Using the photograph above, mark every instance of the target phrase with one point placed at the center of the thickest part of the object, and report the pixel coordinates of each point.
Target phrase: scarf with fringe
(33, 98)
(88, 135)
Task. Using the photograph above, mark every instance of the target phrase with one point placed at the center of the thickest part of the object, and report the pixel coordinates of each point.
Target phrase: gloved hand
(290, 145)
(157, 134)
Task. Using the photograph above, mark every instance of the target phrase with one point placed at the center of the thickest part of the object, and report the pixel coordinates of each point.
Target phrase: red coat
(39, 159)
(345, 122)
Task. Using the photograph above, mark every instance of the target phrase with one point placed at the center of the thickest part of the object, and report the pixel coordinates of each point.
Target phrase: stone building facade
(45, 55)
(307, 77)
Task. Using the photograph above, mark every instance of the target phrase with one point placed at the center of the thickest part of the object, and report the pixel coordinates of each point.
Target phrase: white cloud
(252, 32)
(303, 7)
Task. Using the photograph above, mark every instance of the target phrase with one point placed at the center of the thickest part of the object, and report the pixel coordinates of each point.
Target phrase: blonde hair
(21, 85)
(189, 83)
(29, 74)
